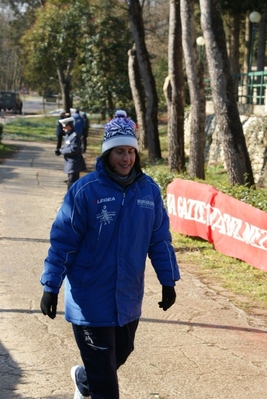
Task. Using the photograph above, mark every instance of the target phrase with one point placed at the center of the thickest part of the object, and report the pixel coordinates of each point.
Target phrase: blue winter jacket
(78, 123)
(100, 239)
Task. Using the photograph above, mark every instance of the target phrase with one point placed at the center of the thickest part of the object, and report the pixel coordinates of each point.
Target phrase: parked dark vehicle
(10, 101)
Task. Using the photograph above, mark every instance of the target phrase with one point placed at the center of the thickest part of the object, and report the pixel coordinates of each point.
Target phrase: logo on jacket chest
(99, 201)
(105, 216)
(146, 202)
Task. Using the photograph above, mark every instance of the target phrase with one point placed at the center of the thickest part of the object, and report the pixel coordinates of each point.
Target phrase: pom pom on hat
(66, 121)
(119, 131)
(120, 113)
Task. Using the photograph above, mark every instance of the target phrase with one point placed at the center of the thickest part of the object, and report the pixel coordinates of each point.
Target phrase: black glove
(168, 297)
(57, 152)
(49, 304)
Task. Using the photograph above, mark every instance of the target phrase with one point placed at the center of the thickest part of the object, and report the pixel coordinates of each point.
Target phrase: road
(32, 105)
(204, 347)
(35, 104)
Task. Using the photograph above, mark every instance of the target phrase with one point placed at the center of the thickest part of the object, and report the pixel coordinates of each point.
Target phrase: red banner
(235, 228)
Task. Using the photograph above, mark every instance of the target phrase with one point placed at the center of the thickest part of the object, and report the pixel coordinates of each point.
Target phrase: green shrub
(162, 177)
(254, 197)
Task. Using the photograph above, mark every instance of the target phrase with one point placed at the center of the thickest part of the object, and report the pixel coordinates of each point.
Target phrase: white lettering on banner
(225, 224)
(195, 209)
(171, 204)
(262, 241)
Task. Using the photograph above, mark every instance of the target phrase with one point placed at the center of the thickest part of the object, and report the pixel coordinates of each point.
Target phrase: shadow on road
(26, 239)
(11, 375)
(204, 325)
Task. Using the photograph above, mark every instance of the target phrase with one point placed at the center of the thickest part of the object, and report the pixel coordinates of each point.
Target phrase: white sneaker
(77, 394)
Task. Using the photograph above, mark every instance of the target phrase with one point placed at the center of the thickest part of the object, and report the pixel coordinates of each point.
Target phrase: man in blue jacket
(110, 221)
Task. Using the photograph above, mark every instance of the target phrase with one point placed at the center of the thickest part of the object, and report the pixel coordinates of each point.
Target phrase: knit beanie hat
(119, 131)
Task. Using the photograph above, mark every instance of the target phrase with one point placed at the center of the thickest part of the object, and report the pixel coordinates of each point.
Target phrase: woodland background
(141, 56)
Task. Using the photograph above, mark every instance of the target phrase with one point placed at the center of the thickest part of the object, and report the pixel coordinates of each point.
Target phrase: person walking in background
(110, 220)
(74, 161)
(59, 130)
(85, 131)
(78, 122)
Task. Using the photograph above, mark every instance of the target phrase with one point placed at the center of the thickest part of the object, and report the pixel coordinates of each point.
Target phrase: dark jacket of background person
(78, 122)
(86, 125)
(85, 131)
(59, 130)
(74, 161)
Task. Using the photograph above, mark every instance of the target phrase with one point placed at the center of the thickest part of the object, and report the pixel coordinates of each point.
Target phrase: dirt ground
(204, 347)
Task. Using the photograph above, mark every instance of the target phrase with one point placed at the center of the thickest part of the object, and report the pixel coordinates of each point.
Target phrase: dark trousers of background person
(59, 141)
(103, 350)
(83, 143)
(72, 178)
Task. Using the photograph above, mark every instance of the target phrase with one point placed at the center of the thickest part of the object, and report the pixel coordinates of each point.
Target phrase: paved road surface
(202, 348)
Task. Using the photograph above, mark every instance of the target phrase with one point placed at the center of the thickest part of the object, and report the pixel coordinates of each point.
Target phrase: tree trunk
(246, 55)
(65, 87)
(262, 41)
(138, 98)
(110, 104)
(234, 49)
(261, 50)
(174, 92)
(138, 32)
(103, 111)
(234, 45)
(226, 112)
(195, 78)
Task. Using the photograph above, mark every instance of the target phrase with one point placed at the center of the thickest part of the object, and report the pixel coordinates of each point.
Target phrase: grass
(39, 128)
(6, 151)
(31, 129)
(216, 174)
(244, 284)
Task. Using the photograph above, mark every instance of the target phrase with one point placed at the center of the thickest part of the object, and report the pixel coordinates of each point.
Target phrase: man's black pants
(103, 350)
